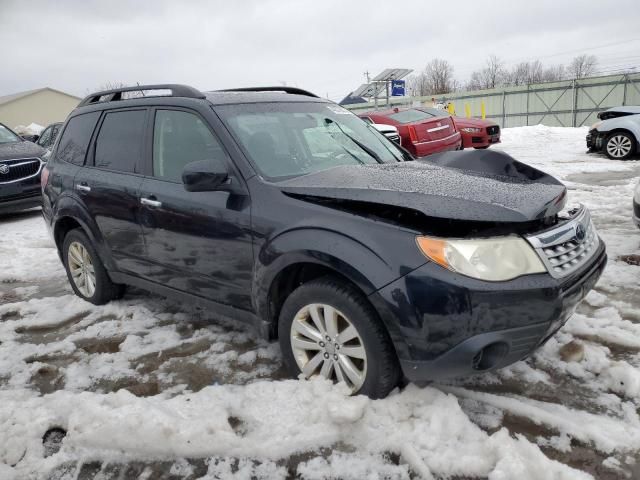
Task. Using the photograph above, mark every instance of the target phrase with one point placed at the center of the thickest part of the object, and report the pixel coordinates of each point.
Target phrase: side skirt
(244, 316)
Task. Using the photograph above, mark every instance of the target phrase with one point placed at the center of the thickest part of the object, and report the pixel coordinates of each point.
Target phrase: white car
(388, 131)
(617, 133)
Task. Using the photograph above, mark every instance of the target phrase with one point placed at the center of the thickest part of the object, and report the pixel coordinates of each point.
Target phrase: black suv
(284, 210)
(20, 165)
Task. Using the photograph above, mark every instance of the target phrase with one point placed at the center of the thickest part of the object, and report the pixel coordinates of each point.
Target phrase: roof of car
(628, 109)
(234, 97)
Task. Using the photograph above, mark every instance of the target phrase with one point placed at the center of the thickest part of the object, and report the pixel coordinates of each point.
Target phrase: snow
(149, 384)
(31, 129)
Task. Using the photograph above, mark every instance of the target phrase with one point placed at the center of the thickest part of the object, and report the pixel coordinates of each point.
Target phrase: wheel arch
(70, 215)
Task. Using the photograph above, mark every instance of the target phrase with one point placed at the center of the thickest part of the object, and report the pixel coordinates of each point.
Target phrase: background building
(42, 106)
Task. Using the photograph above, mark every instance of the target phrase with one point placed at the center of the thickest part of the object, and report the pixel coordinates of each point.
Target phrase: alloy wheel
(325, 342)
(619, 146)
(81, 268)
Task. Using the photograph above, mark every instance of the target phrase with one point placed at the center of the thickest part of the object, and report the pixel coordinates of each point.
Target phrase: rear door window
(74, 142)
(119, 142)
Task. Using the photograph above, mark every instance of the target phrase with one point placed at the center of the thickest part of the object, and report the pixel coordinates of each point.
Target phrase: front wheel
(620, 145)
(328, 328)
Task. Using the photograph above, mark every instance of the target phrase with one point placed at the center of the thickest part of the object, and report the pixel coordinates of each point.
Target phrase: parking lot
(149, 388)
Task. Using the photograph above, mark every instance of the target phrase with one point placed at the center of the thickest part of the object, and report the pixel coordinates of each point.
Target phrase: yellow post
(467, 110)
(483, 111)
(451, 108)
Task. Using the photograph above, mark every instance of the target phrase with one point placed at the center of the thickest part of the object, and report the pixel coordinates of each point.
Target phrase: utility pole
(366, 75)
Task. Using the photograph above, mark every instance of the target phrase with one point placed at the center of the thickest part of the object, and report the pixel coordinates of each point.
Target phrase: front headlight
(596, 125)
(471, 129)
(493, 259)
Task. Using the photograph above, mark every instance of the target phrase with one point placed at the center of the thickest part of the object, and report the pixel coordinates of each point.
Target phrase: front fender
(621, 123)
(337, 251)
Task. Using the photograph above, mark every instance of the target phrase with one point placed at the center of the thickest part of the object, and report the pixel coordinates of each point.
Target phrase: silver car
(617, 133)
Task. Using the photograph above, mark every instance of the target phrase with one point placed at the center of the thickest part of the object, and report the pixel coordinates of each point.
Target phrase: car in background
(617, 133)
(636, 205)
(49, 135)
(421, 132)
(475, 132)
(388, 131)
(20, 166)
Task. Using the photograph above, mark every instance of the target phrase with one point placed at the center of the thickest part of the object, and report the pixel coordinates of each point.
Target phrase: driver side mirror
(205, 176)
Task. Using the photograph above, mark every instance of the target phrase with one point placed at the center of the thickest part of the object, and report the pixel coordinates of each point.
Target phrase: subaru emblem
(4, 169)
(581, 232)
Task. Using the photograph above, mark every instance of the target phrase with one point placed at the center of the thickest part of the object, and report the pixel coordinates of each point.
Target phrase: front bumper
(479, 140)
(450, 325)
(595, 140)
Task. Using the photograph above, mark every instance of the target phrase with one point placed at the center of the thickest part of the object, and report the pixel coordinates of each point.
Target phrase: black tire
(482, 148)
(383, 370)
(620, 136)
(105, 289)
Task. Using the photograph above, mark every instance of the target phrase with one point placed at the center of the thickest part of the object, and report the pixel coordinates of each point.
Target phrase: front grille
(476, 139)
(567, 247)
(14, 170)
(493, 130)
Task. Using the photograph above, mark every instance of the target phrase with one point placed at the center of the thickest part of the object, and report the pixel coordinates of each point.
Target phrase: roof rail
(116, 94)
(291, 90)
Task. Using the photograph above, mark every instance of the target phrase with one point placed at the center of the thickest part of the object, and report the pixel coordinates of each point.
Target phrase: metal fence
(569, 103)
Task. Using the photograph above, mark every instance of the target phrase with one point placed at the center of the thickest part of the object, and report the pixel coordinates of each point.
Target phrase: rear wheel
(327, 328)
(620, 145)
(85, 270)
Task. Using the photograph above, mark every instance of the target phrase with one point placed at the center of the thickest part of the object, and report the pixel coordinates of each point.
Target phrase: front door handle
(83, 187)
(150, 202)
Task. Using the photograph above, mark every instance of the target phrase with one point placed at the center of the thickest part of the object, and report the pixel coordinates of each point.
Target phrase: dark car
(20, 165)
(284, 210)
(48, 136)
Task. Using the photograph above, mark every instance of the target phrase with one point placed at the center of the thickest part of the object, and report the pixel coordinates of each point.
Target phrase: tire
(379, 369)
(78, 252)
(619, 146)
(482, 148)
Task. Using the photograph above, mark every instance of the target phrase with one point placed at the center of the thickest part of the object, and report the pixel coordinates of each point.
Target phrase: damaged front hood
(485, 186)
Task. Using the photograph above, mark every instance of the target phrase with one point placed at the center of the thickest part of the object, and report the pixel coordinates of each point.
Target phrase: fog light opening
(490, 356)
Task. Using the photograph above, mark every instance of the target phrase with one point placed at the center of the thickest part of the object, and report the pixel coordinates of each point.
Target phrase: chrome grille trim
(566, 248)
(18, 162)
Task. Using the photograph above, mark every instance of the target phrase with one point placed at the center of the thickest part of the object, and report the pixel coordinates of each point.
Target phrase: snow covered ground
(148, 388)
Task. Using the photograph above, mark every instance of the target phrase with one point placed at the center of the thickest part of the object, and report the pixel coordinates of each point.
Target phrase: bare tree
(583, 66)
(435, 79)
(491, 76)
(439, 76)
(554, 73)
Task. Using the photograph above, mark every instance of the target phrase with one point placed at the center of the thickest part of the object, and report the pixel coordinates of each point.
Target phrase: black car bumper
(450, 325)
(18, 204)
(594, 140)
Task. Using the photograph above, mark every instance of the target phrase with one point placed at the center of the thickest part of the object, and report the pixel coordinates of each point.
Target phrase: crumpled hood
(486, 186)
(12, 151)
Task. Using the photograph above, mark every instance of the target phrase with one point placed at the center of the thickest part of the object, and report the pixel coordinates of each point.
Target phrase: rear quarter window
(74, 142)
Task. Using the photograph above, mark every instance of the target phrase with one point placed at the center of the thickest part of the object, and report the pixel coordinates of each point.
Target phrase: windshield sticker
(338, 110)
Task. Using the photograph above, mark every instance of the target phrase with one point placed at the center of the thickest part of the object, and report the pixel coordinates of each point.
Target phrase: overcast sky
(322, 45)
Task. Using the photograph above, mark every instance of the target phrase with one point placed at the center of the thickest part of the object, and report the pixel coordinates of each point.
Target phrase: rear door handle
(83, 187)
(150, 202)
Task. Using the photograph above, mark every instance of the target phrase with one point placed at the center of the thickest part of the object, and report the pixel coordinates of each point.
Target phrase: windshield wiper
(362, 146)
